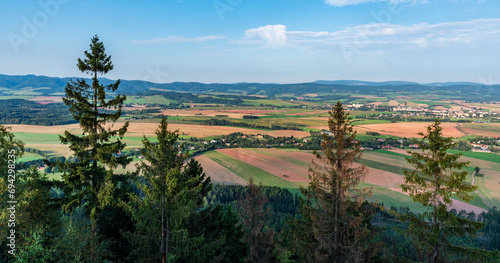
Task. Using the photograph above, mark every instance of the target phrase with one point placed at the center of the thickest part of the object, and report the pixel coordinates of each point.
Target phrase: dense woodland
(170, 211)
(19, 111)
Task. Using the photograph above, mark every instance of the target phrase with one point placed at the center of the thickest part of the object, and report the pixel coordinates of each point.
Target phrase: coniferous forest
(168, 210)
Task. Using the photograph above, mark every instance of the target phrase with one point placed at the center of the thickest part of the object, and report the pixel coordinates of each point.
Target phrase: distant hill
(395, 83)
(43, 85)
(365, 83)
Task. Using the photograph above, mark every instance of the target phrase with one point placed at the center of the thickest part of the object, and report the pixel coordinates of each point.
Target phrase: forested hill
(43, 85)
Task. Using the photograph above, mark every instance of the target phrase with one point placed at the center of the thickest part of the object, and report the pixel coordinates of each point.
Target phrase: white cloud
(421, 35)
(273, 35)
(341, 3)
(178, 39)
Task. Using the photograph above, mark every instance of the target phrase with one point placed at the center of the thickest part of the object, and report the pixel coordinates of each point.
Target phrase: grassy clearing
(29, 157)
(491, 196)
(37, 138)
(386, 152)
(392, 198)
(246, 170)
(382, 166)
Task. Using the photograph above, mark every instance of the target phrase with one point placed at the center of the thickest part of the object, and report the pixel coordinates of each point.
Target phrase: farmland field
(384, 177)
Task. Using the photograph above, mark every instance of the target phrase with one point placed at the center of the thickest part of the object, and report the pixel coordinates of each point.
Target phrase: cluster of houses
(473, 113)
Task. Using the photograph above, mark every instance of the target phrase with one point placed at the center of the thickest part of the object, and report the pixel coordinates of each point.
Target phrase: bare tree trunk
(167, 230)
(163, 237)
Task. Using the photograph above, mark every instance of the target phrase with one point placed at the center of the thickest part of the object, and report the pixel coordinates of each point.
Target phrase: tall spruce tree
(333, 199)
(438, 176)
(92, 180)
(172, 190)
(254, 215)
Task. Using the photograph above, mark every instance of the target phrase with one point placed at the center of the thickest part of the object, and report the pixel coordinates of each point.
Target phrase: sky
(267, 41)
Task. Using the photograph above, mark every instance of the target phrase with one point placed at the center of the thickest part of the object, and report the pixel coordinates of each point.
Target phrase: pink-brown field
(409, 129)
(270, 164)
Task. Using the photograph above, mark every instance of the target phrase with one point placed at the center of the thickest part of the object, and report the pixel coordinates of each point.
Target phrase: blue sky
(258, 40)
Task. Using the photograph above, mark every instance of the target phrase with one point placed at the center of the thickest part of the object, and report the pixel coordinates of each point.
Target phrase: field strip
(473, 161)
(262, 162)
(276, 160)
(219, 173)
(479, 193)
(246, 171)
(456, 204)
(395, 161)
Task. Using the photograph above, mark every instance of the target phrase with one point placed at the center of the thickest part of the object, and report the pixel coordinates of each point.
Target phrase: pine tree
(333, 199)
(92, 180)
(254, 215)
(438, 176)
(172, 191)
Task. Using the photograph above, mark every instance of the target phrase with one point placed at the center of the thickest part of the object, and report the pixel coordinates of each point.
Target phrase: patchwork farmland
(289, 168)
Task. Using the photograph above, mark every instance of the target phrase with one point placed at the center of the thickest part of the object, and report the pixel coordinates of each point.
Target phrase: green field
(29, 157)
(157, 99)
(391, 198)
(491, 157)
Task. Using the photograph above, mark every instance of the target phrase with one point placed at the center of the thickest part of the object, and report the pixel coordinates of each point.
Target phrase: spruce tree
(172, 190)
(333, 199)
(92, 179)
(438, 176)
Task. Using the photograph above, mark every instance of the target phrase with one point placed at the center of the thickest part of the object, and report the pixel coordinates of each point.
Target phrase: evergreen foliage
(333, 219)
(170, 192)
(437, 177)
(92, 180)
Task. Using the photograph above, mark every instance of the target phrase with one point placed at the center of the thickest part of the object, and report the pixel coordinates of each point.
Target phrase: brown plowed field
(219, 173)
(409, 129)
(269, 164)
